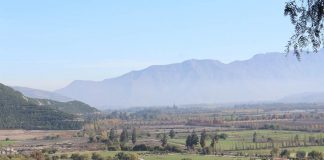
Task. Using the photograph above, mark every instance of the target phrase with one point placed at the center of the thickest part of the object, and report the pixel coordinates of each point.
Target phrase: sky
(48, 44)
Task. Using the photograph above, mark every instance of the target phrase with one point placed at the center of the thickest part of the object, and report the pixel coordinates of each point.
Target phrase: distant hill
(41, 94)
(307, 97)
(54, 100)
(72, 107)
(21, 112)
(264, 77)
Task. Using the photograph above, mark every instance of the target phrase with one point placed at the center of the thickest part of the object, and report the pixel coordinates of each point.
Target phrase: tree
(274, 152)
(307, 18)
(188, 142)
(254, 138)
(285, 153)
(203, 137)
(124, 137)
(192, 140)
(134, 136)
(214, 141)
(315, 155)
(164, 140)
(300, 154)
(112, 135)
(172, 133)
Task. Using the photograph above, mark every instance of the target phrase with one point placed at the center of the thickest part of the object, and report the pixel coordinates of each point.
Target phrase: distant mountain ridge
(263, 77)
(307, 97)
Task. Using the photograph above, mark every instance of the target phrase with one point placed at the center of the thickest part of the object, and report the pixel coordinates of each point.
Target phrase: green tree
(307, 18)
(203, 137)
(172, 133)
(274, 152)
(315, 155)
(214, 141)
(192, 140)
(112, 135)
(164, 140)
(134, 136)
(124, 137)
(285, 153)
(254, 138)
(300, 155)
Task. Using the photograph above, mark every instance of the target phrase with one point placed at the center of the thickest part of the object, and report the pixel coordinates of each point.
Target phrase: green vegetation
(18, 111)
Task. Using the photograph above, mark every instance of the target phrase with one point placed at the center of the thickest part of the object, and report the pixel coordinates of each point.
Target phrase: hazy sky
(48, 44)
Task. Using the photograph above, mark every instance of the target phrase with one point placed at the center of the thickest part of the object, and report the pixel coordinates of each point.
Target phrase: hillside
(44, 98)
(41, 94)
(20, 112)
(72, 107)
(264, 77)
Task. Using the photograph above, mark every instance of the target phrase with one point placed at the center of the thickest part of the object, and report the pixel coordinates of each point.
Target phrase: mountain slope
(40, 94)
(56, 101)
(20, 112)
(263, 77)
(72, 107)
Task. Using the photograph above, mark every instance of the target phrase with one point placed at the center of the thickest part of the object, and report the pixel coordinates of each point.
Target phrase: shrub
(140, 147)
(126, 148)
(113, 148)
(173, 148)
(64, 156)
(97, 156)
(126, 156)
(206, 150)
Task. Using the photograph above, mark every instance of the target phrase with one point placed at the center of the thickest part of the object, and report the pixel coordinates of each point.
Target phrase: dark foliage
(307, 18)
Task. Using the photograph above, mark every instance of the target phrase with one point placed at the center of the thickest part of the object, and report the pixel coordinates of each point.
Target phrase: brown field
(18, 135)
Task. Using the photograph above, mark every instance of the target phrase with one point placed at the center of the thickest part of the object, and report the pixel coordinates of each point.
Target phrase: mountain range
(264, 77)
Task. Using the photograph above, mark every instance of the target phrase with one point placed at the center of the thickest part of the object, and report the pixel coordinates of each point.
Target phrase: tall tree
(254, 138)
(112, 135)
(214, 141)
(134, 136)
(192, 140)
(307, 18)
(164, 140)
(172, 133)
(124, 136)
(300, 154)
(203, 137)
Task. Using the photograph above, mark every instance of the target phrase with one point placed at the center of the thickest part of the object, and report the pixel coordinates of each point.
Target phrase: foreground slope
(263, 77)
(20, 112)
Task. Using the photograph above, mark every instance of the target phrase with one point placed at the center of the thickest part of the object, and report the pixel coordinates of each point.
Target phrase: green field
(171, 156)
(234, 138)
(6, 143)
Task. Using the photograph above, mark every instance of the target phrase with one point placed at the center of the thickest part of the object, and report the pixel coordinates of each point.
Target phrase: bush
(64, 156)
(140, 147)
(173, 148)
(126, 148)
(55, 157)
(97, 156)
(207, 150)
(113, 148)
(126, 156)
(157, 148)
